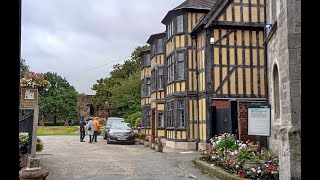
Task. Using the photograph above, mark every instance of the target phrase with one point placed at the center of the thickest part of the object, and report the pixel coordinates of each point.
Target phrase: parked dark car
(111, 120)
(120, 133)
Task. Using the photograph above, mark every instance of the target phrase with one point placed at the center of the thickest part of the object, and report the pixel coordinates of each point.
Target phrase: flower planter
(141, 141)
(23, 150)
(136, 139)
(158, 148)
(146, 143)
(249, 165)
(153, 146)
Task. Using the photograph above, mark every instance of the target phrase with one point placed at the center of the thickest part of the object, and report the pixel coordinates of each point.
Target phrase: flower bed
(241, 158)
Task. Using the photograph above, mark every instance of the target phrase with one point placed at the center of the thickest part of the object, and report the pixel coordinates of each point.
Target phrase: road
(67, 158)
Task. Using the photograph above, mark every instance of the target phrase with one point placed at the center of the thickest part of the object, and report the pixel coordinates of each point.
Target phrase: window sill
(161, 128)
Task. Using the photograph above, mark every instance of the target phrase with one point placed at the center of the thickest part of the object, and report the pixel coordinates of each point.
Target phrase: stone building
(87, 108)
(283, 41)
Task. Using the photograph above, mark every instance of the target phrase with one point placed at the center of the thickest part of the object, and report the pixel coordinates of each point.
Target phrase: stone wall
(83, 105)
(284, 51)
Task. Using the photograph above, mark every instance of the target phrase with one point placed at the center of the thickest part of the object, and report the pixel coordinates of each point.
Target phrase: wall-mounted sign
(29, 98)
(259, 120)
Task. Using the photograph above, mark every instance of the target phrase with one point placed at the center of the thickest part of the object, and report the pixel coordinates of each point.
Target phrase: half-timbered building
(156, 42)
(231, 67)
(180, 73)
(145, 91)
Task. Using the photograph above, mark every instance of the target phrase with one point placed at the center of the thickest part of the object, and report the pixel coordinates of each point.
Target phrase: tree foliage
(24, 68)
(60, 100)
(126, 97)
(122, 88)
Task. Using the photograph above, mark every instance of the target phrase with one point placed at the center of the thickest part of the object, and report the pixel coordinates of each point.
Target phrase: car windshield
(114, 120)
(120, 126)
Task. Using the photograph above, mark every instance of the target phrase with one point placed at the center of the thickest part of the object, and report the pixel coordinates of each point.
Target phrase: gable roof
(190, 4)
(155, 36)
(210, 16)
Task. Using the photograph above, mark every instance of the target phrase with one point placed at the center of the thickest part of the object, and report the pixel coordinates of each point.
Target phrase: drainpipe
(266, 82)
(198, 113)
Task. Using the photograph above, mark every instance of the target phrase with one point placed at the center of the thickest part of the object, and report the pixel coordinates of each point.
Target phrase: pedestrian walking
(90, 130)
(96, 129)
(82, 129)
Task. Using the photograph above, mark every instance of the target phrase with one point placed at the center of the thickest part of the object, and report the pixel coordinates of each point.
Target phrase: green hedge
(51, 124)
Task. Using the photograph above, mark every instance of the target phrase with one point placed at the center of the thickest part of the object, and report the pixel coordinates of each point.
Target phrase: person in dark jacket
(82, 129)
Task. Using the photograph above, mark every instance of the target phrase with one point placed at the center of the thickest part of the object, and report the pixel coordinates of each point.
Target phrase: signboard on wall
(29, 98)
(259, 120)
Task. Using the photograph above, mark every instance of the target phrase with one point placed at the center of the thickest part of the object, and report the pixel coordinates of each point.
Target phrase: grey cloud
(75, 35)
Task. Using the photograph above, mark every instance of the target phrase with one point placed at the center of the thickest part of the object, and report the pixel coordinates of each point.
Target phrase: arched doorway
(91, 110)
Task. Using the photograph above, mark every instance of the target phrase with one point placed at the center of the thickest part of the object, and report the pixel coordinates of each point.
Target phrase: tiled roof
(155, 36)
(191, 4)
(196, 4)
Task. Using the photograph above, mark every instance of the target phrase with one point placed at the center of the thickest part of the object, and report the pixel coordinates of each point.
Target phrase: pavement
(66, 158)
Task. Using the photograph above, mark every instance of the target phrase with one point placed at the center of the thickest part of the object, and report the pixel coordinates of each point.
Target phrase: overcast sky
(72, 37)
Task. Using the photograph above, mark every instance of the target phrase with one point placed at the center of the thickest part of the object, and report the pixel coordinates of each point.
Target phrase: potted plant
(136, 137)
(23, 142)
(159, 145)
(153, 144)
(146, 142)
(39, 146)
(142, 137)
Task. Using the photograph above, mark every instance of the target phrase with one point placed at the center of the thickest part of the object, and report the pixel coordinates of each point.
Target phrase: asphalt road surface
(67, 158)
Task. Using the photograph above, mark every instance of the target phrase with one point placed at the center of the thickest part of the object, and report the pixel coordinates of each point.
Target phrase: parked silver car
(120, 133)
(111, 120)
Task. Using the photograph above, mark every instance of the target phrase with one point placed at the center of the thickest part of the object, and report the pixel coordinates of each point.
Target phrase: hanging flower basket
(35, 81)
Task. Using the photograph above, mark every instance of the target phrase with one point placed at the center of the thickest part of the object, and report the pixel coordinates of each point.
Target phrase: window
(142, 89)
(160, 120)
(181, 118)
(153, 49)
(170, 29)
(170, 68)
(160, 46)
(170, 114)
(147, 59)
(276, 92)
(153, 80)
(180, 24)
(180, 67)
(148, 87)
(149, 118)
(160, 79)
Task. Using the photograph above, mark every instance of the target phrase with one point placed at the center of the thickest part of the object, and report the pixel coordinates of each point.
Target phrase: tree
(60, 100)
(126, 97)
(121, 72)
(24, 68)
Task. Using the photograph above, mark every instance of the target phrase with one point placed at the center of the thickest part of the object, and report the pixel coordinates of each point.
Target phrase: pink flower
(237, 166)
(253, 169)
(232, 153)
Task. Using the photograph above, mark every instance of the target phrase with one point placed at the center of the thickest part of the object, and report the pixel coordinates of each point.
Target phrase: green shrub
(76, 123)
(52, 124)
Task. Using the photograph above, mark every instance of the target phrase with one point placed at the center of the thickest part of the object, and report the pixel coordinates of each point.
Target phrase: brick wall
(221, 104)
(243, 123)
